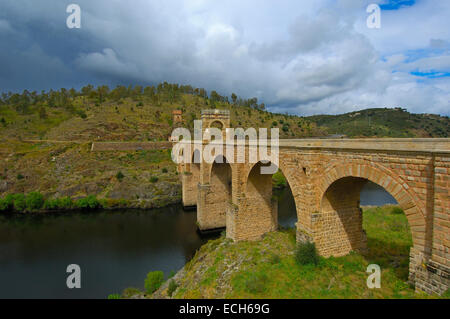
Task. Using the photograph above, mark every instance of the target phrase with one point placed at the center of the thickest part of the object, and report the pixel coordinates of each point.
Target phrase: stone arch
(295, 180)
(338, 192)
(217, 124)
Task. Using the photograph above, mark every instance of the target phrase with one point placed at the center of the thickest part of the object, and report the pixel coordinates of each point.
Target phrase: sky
(301, 57)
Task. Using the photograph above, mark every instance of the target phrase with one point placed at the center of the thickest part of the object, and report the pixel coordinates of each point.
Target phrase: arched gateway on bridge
(326, 177)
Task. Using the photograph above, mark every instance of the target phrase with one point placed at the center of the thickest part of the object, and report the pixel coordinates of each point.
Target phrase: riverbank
(35, 203)
(268, 268)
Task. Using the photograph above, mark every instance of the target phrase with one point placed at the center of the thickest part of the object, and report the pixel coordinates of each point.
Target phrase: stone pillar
(211, 211)
(432, 275)
(337, 228)
(256, 212)
(250, 220)
(189, 182)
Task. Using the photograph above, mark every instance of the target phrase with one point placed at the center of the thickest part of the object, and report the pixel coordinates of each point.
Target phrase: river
(114, 249)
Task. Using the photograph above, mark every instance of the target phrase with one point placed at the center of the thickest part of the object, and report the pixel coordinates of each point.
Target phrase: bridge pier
(211, 210)
(337, 227)
(251, 220)
(256, 212)
(189, 185)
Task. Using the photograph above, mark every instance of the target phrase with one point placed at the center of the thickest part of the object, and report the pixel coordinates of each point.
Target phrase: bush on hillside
(153, 281)
(89, 202)
(256, 283)
(19, 202)
(172, 287)
(306, 254)
(34, 200)
(7, 203)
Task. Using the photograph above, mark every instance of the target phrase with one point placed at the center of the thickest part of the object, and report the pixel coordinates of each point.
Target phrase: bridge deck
(434, 145)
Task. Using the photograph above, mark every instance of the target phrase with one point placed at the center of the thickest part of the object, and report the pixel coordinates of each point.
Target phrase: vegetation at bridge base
(268, 268)
(306, 254)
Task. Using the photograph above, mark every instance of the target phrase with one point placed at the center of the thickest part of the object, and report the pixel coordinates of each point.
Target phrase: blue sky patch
(431, 74)
(397, 4)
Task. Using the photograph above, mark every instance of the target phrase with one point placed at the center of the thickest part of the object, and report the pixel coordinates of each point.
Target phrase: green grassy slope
(267, 268)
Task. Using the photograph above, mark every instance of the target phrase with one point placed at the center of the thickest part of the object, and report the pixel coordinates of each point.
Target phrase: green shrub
(256, 282)
(20, 176)
(154, 179)
(3, 206)
(278, 180)
(65, 203)
(51, 204)
(120, 176)
(172, 287)
(396, 210)
(7, 203)
(153, 281)
(34, 200)
(114, 296)
(19, 202)
(164, 170)
(306, 254)
(89, 202)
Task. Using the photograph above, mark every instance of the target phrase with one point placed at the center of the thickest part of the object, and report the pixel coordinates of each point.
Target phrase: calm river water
(115, 249)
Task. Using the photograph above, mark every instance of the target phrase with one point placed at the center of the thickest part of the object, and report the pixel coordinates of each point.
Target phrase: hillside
(46, 137)
(268, 268)
(384, 122)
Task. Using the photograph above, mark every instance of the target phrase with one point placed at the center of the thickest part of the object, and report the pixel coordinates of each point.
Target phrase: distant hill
(145, 114)
(131, 114)
(46, 137)
(384, 122)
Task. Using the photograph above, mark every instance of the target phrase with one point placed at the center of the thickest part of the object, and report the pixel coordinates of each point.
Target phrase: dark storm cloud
(308, 57)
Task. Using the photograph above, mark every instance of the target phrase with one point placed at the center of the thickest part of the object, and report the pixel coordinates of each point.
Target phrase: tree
(42, 113)
(233, 98)
(102, 92)
(153, 281)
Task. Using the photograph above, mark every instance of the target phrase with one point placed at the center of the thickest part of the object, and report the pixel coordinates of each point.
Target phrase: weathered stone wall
(257, 212)
(215, 197)
(129, 146)
(190, 179)
(338, 225)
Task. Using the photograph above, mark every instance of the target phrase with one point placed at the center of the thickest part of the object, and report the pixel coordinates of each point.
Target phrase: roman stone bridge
(326, 177)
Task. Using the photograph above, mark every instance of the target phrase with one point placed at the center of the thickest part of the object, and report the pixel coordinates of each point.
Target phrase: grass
(268, 268)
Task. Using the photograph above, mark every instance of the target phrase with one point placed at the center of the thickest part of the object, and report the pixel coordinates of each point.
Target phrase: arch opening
(282, 192)
(379, 232)
(258, 209)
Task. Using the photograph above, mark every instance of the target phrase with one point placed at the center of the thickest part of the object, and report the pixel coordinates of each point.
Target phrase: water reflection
(115, 250)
